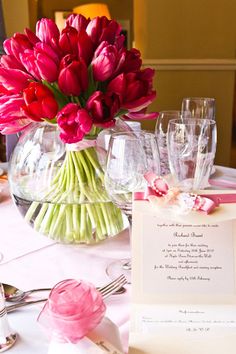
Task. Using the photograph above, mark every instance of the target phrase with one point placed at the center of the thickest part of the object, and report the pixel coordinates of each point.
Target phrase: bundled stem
(76, 207)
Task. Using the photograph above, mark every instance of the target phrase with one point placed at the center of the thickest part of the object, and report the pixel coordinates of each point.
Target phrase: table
(31, 260)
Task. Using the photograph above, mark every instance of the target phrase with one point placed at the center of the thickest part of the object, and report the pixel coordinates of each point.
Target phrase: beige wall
(16, 15)
(183, 29)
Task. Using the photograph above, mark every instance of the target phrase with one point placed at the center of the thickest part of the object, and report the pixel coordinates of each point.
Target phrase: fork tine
(110, 289)
(104, 287)
(113, 283)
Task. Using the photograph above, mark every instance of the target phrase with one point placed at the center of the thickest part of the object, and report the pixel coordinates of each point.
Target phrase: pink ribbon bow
(159, 188)
(74, 308)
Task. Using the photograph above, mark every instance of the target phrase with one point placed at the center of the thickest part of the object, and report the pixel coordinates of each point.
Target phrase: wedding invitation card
(183, 280)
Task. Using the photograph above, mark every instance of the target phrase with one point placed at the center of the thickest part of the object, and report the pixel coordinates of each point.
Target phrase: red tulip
(132, 61)
(74, 123)
(79, 22)
(101, 29)
(134, 89)
(85, 47)
(39, 102)
(14, 80)
(103, 108)
(68, 41)
(73, 76)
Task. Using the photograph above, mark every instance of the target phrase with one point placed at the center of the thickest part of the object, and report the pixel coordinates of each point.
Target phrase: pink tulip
(46, 30)
(12, 119)
(17, 45)
(14, 79)
(10, 62)
(42, 62)
(28, 59)
(104, 62)
(79, 22)
(74, 123)
(101, 29)
(31, 36)
(103, 108)
(73, 76)
(68, 41)
(134, 89)
(46, 49)
(39, 102)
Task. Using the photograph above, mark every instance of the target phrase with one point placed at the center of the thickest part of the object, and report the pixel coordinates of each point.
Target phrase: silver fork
(106, 291)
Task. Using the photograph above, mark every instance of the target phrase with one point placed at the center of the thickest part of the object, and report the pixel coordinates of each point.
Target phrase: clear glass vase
(59, 188)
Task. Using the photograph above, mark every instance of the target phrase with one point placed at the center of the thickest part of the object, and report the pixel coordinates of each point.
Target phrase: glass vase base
(119, 267)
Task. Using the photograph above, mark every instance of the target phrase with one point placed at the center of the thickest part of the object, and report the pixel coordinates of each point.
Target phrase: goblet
(161, 134)
(191, 149)
(130, 156)
(198, 107)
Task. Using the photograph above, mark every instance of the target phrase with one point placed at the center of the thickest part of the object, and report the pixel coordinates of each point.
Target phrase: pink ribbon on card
(158, 192)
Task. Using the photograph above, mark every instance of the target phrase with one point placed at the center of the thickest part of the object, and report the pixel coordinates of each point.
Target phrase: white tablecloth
(31, 261)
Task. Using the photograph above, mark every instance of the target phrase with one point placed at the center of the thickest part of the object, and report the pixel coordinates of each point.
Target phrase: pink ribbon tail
(222, 183)
(221, 198)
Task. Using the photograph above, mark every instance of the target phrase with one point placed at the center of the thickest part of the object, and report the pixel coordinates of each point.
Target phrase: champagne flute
(130, 156)
(198, 107)
(191, 149)
(161, 134)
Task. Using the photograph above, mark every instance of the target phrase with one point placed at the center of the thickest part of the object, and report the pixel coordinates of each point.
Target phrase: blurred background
(191, 45)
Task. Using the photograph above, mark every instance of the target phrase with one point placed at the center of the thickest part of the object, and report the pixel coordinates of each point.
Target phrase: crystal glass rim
(133, 135)
(199, 98)
(170, 111)
(193, 121)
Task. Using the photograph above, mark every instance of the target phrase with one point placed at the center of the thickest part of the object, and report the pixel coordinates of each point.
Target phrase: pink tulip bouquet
(80, 80)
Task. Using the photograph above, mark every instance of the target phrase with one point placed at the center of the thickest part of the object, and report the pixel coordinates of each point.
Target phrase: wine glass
(198, 107)
(130, 156)
(161, 134)
(191, 149)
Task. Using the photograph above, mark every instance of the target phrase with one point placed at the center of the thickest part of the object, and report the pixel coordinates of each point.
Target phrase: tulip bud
(46, 30)
(79, 22)
(105, 62)
(68, 40)
(73, 76)
(101, 29)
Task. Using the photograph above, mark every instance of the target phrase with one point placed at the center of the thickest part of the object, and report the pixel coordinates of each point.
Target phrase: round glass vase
(59, 189)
